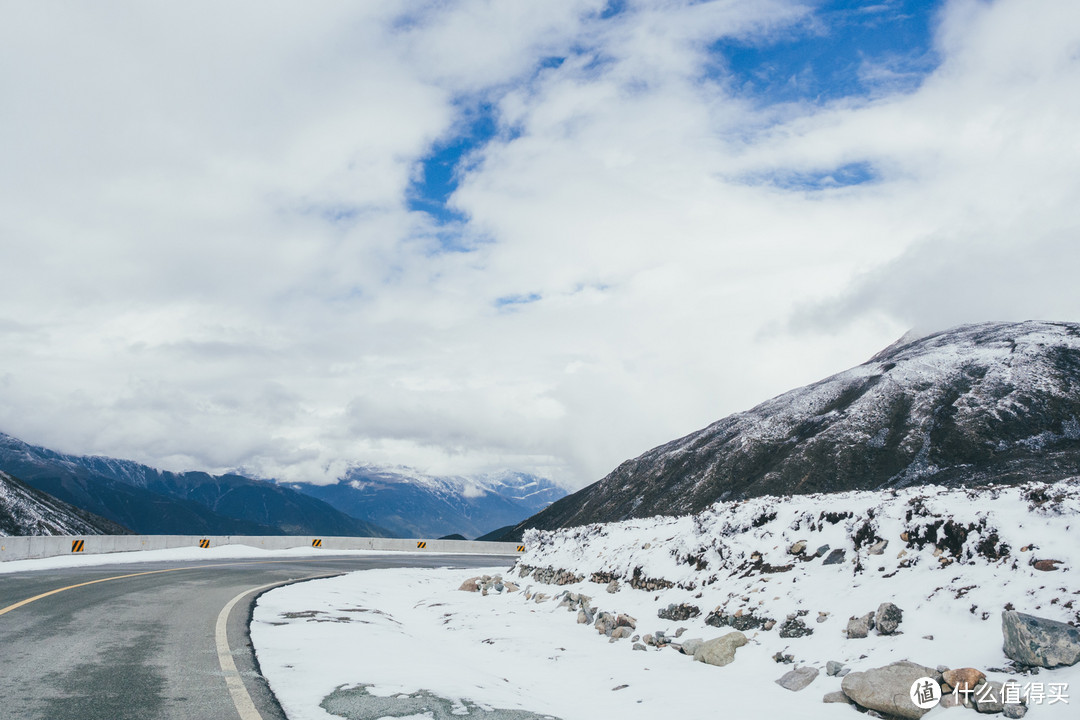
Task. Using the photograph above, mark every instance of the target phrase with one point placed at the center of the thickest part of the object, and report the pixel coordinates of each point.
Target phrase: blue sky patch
(845, 48)
(857, 173)
(509, 302)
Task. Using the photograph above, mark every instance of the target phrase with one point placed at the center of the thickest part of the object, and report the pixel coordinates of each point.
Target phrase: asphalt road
(144, 647)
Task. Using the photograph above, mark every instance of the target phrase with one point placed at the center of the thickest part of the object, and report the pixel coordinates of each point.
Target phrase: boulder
(797, 548)
(878, 548)
(888, 618)
(1036, 641)
(720, 651)
(887, 689)
(470, 585)
(625, 621)
(613, 586)
(639, 646)
(798, 678)
(987, 697)
(1014, 711)
(621, 632)
(860, 627)
(689, 647)
(833, 667)
(963, 678)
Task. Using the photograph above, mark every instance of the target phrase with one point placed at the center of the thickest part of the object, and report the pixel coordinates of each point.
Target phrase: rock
(835, 557)
(1014, 711)
(878, 548)
(780, 657)
(798, 678)
(604, 624)
(843, 672)
(511, 587)
(635, 638)
(720, 651)
(860, 627)
(887, 689)
(837, 697)
(1036, 641)
(620, 632)
(794, 627)
(639, 646)
(797, 548)
(987, 697)
(888, 618)
(648, 639)
(833, 667)
(625, 621)
(540, 597)
(822, 617)
(768, 625)
(963, 679)
(689, 647)
(470, 585)
(1046, 565)
(613, 586)
(821, 551)
(677, 613)
(679, 632)
(582, 617)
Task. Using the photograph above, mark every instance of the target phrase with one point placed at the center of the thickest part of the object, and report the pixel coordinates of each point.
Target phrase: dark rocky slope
(26, 511)
(994, 402)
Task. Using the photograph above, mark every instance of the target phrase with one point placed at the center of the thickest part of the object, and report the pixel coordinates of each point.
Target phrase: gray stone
(833, 667)
(860, 627)
(689, 647)
(837, 697)
(639, 646)
(843, 672)
(987, 697)
(835, 557)
(794, 627)
(677, 613)
(821, 551)
(798, 678)
(620, 632)
(604, 624)
(887, 689)
(582, 617)
(878, 548)
(679, 632)
(1036, 641)
(888, 618)
(613, 586)
(797, 548)
(720, 651)
(1014, 711)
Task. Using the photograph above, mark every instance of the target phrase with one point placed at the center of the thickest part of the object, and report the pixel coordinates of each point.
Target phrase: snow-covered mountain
(994, 402)
(414, 504)
(26, 511)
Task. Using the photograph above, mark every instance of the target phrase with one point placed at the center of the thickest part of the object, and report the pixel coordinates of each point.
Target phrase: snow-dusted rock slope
(26, 511)
(996, 402)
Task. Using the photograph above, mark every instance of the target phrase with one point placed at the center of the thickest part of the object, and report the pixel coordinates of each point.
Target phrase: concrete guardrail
(29, 547)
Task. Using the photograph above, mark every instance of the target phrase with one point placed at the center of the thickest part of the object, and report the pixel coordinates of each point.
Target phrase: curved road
(144, 647)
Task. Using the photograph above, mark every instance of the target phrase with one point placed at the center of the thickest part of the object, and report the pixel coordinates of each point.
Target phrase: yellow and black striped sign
(317, 542)
(204, 543)
(421, 545)
(77, 545)
(521, 548)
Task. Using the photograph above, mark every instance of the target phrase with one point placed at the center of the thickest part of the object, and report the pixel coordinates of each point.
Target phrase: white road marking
(240, 697)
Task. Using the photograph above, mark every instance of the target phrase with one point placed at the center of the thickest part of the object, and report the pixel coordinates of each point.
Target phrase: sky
(290, 238)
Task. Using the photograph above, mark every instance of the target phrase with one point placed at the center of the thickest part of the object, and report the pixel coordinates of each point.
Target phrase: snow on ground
(187, 554)
(953, 561)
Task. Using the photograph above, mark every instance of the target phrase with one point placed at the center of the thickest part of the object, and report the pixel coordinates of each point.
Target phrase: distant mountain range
(369, 502)
(26, 511)
(412, 504)
(979, 404)
(157, 502)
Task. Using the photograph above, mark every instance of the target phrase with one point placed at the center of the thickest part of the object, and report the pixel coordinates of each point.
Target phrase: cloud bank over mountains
(481, 235)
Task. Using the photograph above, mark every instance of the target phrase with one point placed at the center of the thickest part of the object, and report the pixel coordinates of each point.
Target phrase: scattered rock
(621, 632)
(720, 651)
(822, 617)
(625, 621)
(835, 557)
(1036, 641)
(780, 657)
(677, 613)
(511, 587)
(888, 618)
(582, 617)
(798, 678)
(613, 586)
(769, 625)
(797, 548)
(833, 667)
(837, 697)
(470, 585)
(604, 623)
(860, 627)
(1046, 565)
(794, 627)
(742, 621)
(821, 551)
(887, 689)
(639, 646)
(679, 632)
(1014, 711)
(878, 548)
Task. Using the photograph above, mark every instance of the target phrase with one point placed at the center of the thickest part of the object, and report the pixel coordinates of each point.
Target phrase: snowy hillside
(996, 402)
(26, 511)
(791, 607)
(414, 504)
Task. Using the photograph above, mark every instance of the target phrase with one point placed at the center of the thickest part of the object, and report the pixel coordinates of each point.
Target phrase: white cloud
(211, 261)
